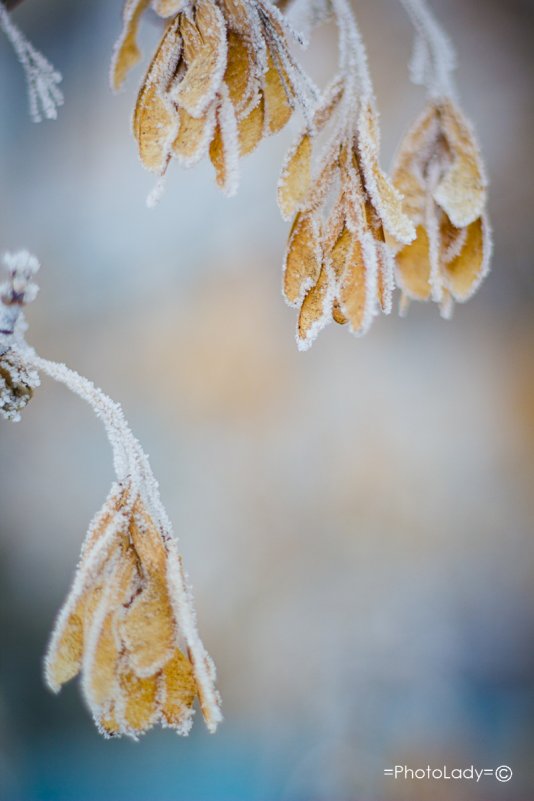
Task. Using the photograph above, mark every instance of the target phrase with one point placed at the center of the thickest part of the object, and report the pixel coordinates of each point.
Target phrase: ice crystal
(42, 79)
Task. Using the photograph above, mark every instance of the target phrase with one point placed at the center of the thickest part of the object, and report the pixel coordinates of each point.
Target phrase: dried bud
(17, 382)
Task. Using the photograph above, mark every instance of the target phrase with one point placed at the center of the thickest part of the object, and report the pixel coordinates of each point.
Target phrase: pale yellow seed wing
(64, 660)
(413, 267)
(410, 162)
(154, 118)
(140, 701)
(205, 71)
(464, 273)
(239, 70)
(296, 178)
(315, 311)
(193, 137)
(461, 193)
(353, 290)
(168, 8)
(303, 260)
(179, 689)
(386, 200)
(127, 52)
(250, 129)
(148, 542)
(278, 108)
(148, 628)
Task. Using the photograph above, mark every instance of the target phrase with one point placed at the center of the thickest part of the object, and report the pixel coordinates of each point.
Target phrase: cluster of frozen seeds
(221, 79)
(122, 626)
(440, 173)
(338, 265)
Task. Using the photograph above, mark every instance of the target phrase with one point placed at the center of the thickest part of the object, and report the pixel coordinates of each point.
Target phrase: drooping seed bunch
(128, 625)
(121, 627)
(439, 171)
(221, 79)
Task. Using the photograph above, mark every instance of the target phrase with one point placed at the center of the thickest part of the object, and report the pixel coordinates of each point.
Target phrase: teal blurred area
(357, 521)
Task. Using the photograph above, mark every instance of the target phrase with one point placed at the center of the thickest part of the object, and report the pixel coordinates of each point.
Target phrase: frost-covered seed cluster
(223, 77)
(128, 625)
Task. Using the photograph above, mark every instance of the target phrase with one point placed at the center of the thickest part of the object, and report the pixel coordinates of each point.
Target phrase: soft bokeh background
(357, 520)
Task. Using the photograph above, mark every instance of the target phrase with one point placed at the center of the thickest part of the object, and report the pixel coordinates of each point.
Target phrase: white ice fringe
(42, 79)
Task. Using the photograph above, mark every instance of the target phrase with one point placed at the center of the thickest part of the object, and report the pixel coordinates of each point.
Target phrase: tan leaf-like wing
(179, 690)
(140, 705)
(413, 267)
(154, 122)
(461, 193)
(168, 8)
(239, 70)
(303, 259)
(250, 129)
(465, 272)
(316, 311)
(278, 108)
(148, 629)
(296, 178)
(193, 137)
(127, 53)
(385, 198)
(206, 69)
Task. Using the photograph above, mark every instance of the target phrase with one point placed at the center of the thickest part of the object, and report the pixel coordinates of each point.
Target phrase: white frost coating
(230, 142)
(433, 60)
(305, 343)
(42, 79)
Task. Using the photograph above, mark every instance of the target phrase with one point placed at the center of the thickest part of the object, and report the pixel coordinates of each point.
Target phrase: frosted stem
(42, 79)
(352, 55)
(438, 51)
(125, 446)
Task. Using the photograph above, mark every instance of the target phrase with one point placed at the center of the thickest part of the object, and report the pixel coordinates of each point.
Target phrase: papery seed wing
(250, 129)
(316, 310)
(411, 160)
(464, 273)
(154, 122)
(103, 541)
(127, 53)
(148, 628)
(278, 108)
(239, 74)
(206, 69)
(224, 147)
(193, 137)
(303, 259)
(296, 178)
(138, 710)
(355, 254)
(461, 193)
(385, 198)
(413, 267)
(178, 692)
(168, 8)
(102, 646)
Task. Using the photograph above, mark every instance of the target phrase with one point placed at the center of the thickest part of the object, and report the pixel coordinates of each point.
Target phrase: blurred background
(356, 520)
